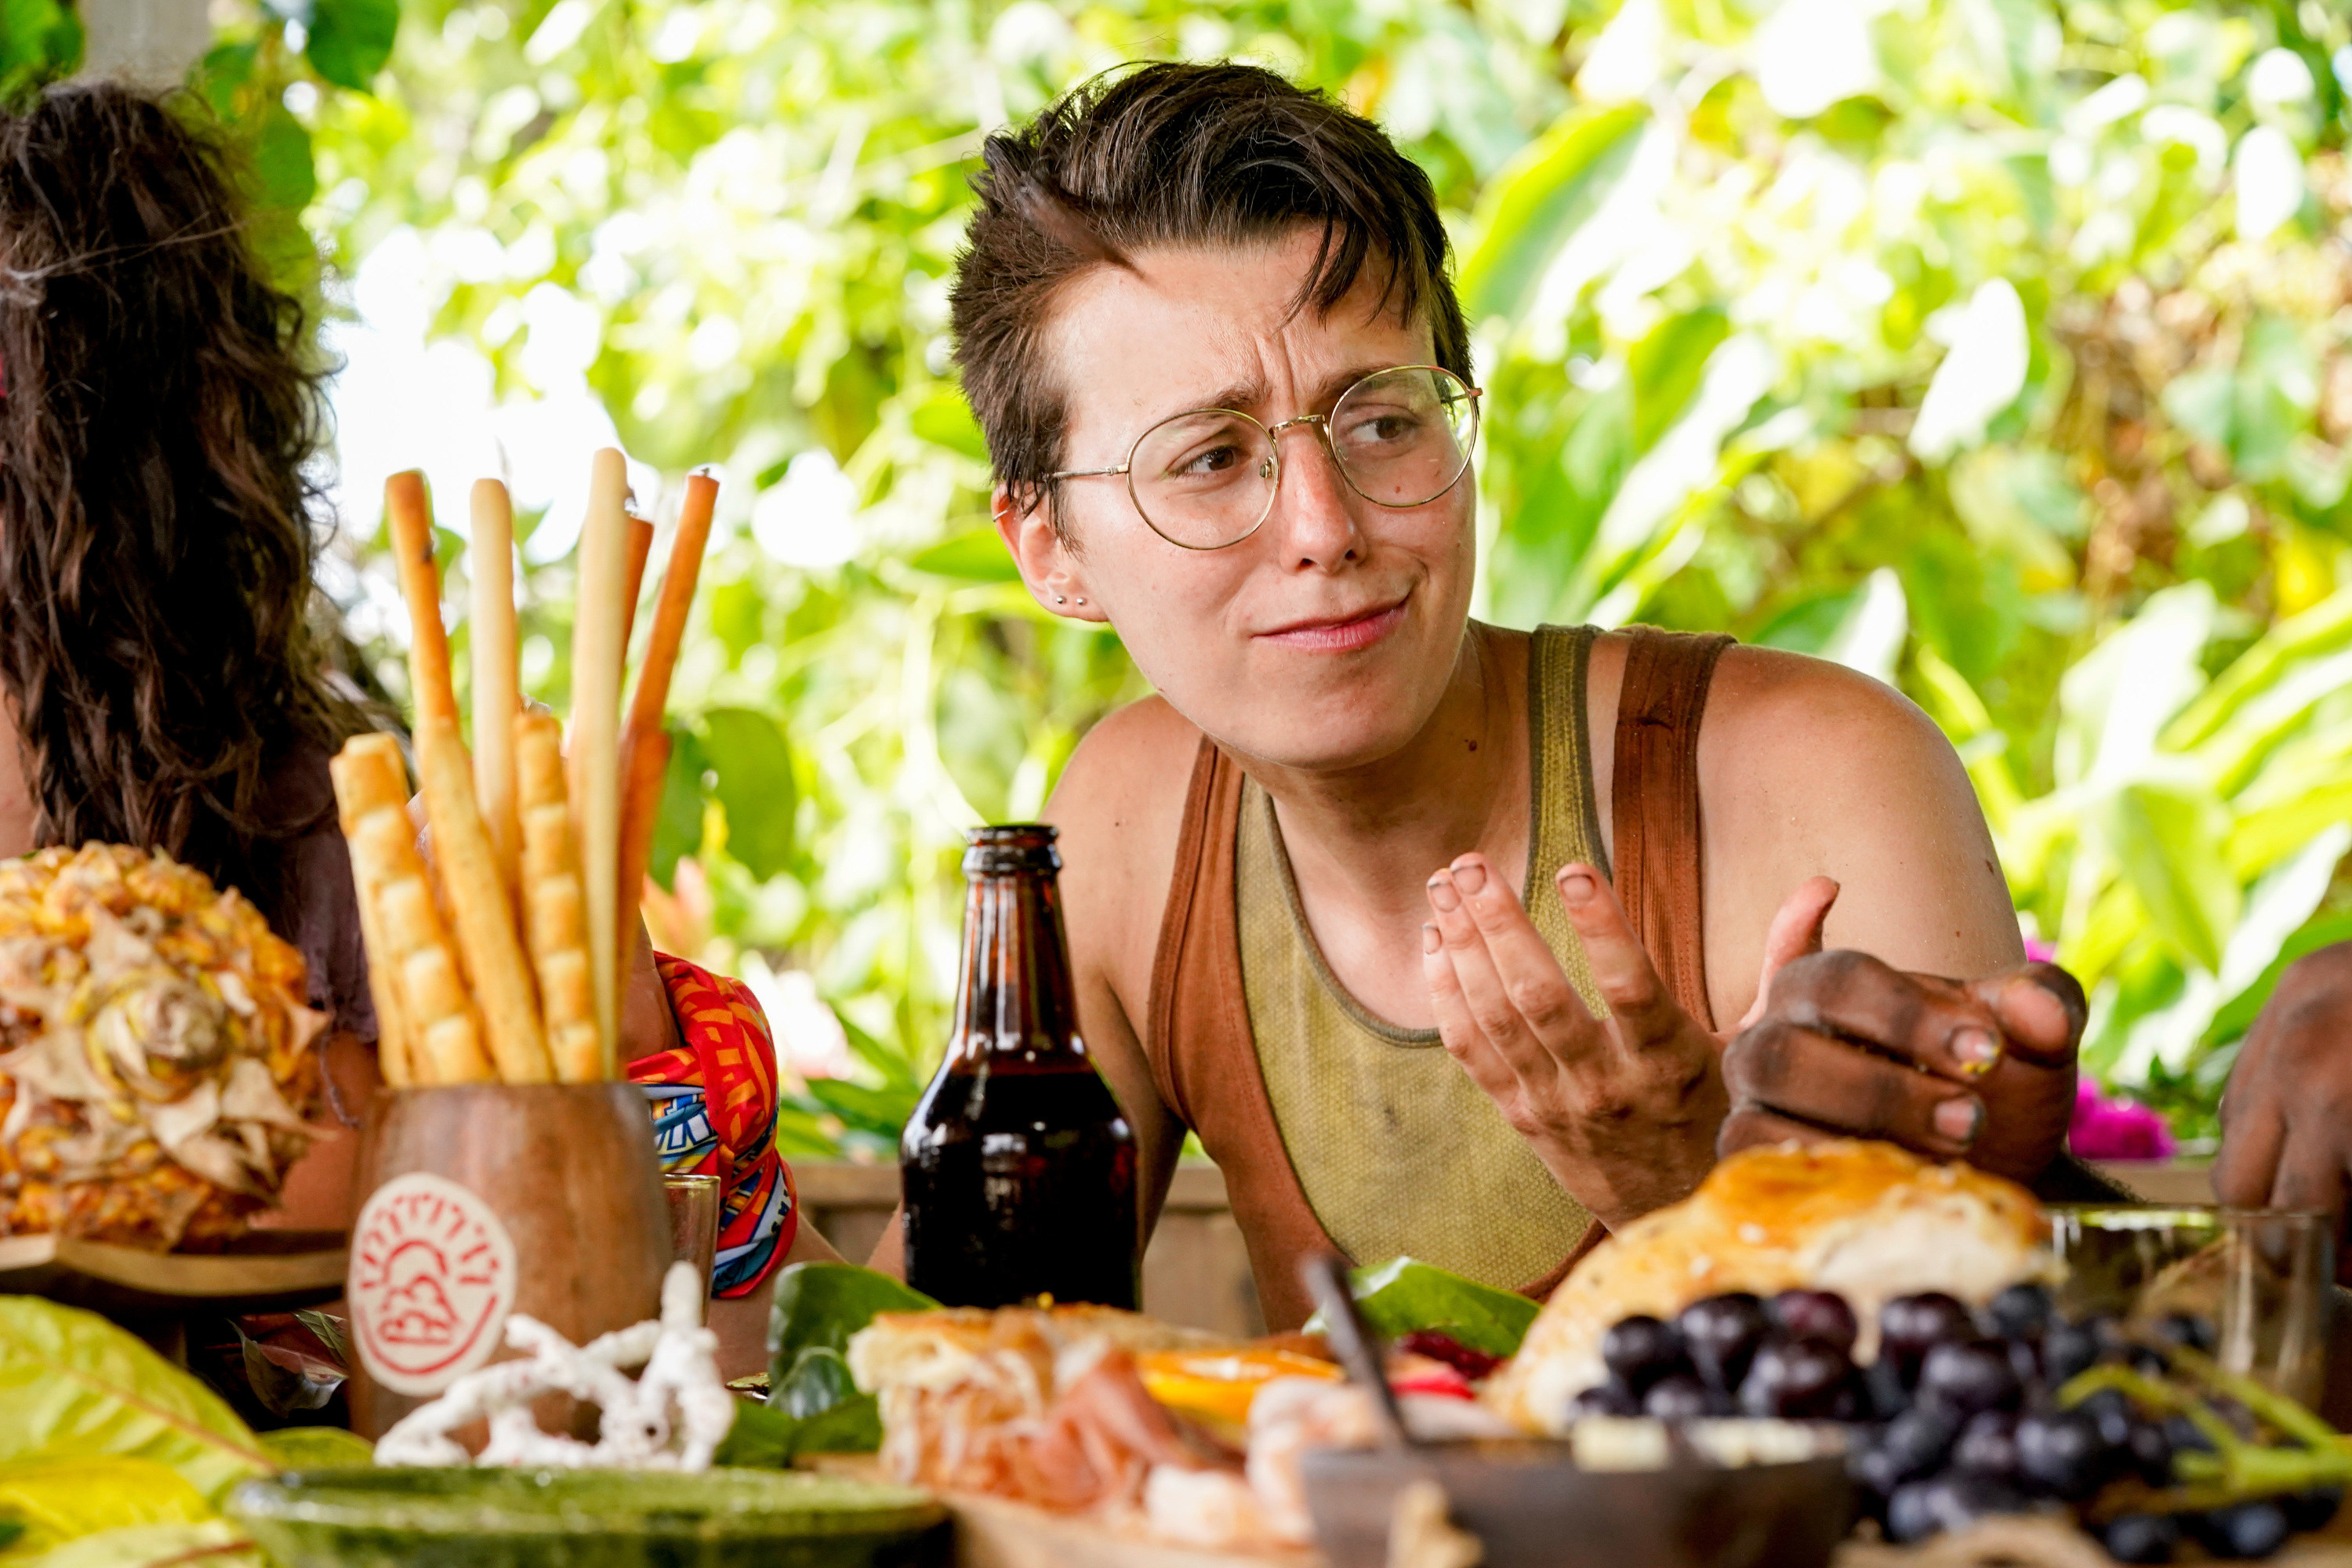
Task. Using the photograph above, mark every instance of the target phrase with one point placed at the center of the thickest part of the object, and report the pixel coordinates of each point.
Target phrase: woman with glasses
(1434, 932)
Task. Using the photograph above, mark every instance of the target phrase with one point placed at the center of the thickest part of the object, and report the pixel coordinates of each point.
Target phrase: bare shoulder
(1807, 768)
(1120, 808)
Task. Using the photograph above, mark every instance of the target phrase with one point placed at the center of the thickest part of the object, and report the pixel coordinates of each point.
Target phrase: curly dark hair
(1173, 154)
(161, 410)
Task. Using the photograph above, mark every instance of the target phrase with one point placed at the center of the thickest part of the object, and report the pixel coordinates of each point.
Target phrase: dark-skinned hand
(1847, 1045)
(2287, 1117)
(1623, 1111)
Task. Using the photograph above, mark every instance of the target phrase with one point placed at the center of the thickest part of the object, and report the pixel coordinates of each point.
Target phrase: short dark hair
(1176, 154)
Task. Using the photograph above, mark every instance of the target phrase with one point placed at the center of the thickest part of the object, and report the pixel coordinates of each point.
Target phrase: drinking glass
(694, 1223)
(2259, 1275)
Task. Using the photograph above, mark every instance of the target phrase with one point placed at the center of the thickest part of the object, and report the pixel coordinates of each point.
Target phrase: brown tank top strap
(1203, 1055)
(1654, 799)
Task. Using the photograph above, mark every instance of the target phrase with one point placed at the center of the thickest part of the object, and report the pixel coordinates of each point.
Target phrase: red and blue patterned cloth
(714, 1103)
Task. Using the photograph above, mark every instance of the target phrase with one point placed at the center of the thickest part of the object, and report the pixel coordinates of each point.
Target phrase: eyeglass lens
(1401, 438)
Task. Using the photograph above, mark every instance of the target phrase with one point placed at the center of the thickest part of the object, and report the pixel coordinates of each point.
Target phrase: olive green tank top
(1397, 1151)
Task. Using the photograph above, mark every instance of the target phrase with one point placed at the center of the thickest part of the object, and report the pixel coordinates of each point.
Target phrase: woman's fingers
(1515, 988)
(1796, 930)
(1465, 1042)
(1622, 969)
(2041, 1010)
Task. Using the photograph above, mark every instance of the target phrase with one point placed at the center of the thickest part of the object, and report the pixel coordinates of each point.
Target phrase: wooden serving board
(265, 1272)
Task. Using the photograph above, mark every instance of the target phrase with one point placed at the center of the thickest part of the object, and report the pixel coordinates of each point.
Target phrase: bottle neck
(1015, 1004)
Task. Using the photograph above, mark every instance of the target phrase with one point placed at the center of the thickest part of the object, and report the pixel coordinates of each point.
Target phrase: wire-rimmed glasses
(1206, 478)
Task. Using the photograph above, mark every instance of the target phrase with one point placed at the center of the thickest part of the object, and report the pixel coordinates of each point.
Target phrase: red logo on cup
(432, 1278)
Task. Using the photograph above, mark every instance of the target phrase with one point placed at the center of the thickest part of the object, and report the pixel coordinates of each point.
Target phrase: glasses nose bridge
(1318, 422)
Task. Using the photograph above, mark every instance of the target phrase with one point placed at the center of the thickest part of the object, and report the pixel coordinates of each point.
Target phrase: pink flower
(2038, 952)
(2105, 1128)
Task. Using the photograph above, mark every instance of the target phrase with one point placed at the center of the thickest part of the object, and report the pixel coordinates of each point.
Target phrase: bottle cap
(1009, 847)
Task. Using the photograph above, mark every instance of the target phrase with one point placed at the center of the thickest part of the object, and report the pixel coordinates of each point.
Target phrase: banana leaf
(1403, 1296)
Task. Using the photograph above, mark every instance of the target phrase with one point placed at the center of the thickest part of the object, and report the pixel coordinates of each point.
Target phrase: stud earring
(1064, 599)
(1082, 599)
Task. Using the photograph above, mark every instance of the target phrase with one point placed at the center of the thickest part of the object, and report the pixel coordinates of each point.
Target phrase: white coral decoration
(670, 1417)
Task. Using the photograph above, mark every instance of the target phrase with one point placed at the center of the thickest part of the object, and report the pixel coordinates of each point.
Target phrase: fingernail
(1430, 939)
(1469, 876)
(1959, 1120)
(1576, 887)
(1976, 1050)
(1442, 893)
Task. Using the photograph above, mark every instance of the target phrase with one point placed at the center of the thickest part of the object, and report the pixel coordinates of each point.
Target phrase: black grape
(1815, 1315)
(2066, 1349)
(1969, 1377)
(1988, 1446)
(1910, 1326)
(1953, 1500)
(1721, 1334)
(2312, 1509)
(2021, 1312)
(1882, 1389)
(2151, 1452)
(1797, 1380)
(2188, 1329)
(2141, 1538)
(2060, 1452)
(1918, 1440)
(2112, 1411)
(2186, 1436)
(2254, 1528)
(1640, 1350)
(1678, 1396)
(1611, 1399)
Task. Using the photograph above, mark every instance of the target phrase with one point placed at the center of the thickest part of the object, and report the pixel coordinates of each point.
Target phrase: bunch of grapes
(1967, 1415)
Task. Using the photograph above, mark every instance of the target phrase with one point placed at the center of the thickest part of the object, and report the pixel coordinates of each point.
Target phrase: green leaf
(944, 420)
(281, 159)
(1529, 210)
(821, 1305)
(351, 40)
(819, 1381)
(316, 1448)
(852, 1426)
(760, 1438)
(53, 1502)
(2236, 1016)
(677, 829)
(750, 752)
(214, 1543)
(2167, 839)
(877, 1110)
(1666, 367)
(977, 556)
(73, 1386)
(1404, 1295)
(224, 70)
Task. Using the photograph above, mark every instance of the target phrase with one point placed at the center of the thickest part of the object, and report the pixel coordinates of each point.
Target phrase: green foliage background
(1995, 346)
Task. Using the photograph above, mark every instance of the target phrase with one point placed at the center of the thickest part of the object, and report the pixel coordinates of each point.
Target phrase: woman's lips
(1340, 637)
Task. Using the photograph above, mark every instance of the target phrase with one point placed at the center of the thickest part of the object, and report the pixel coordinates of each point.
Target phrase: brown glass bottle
(1019, 1170)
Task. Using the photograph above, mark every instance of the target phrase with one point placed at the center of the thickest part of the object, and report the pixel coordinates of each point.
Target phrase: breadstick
(496, 697)
(415, 950)
(554, 917)
(479, 907)
(645, 745)
(595, 756)
(367, 774)
(641, 545)
(410, 517)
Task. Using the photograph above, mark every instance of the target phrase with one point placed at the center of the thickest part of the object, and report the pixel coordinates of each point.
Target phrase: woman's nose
(1312, 506)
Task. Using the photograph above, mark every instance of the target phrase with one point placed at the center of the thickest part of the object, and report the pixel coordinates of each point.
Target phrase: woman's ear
(1047, 565)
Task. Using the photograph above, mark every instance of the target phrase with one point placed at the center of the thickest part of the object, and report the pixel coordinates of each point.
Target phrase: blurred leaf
(2167, 839)
(215, 1544)
(52, 1501)
(73, 1385)
(882, 1111)
(281, 158)
(1666, 368)
(751, 755)
(1532, 207)
(351, 40)
(760, 1439)
(818, 1381)
(944, 420)
(677, 830)
(978, 556)
(818, 1306)
(1404, 1295)
(316, 1448)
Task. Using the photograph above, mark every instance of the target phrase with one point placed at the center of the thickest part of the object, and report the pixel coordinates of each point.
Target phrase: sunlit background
(1995, 347)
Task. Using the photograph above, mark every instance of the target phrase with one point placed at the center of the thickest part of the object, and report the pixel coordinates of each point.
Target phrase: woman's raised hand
(1624, 1110)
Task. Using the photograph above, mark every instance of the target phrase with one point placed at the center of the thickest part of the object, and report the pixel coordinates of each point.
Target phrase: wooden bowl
(484, 1200)
(1533, 1508)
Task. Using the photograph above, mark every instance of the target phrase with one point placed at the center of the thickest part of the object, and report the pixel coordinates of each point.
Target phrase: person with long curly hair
(165, 657)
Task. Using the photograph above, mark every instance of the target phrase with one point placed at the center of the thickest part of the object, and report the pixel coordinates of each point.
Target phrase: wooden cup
(568, 1170)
